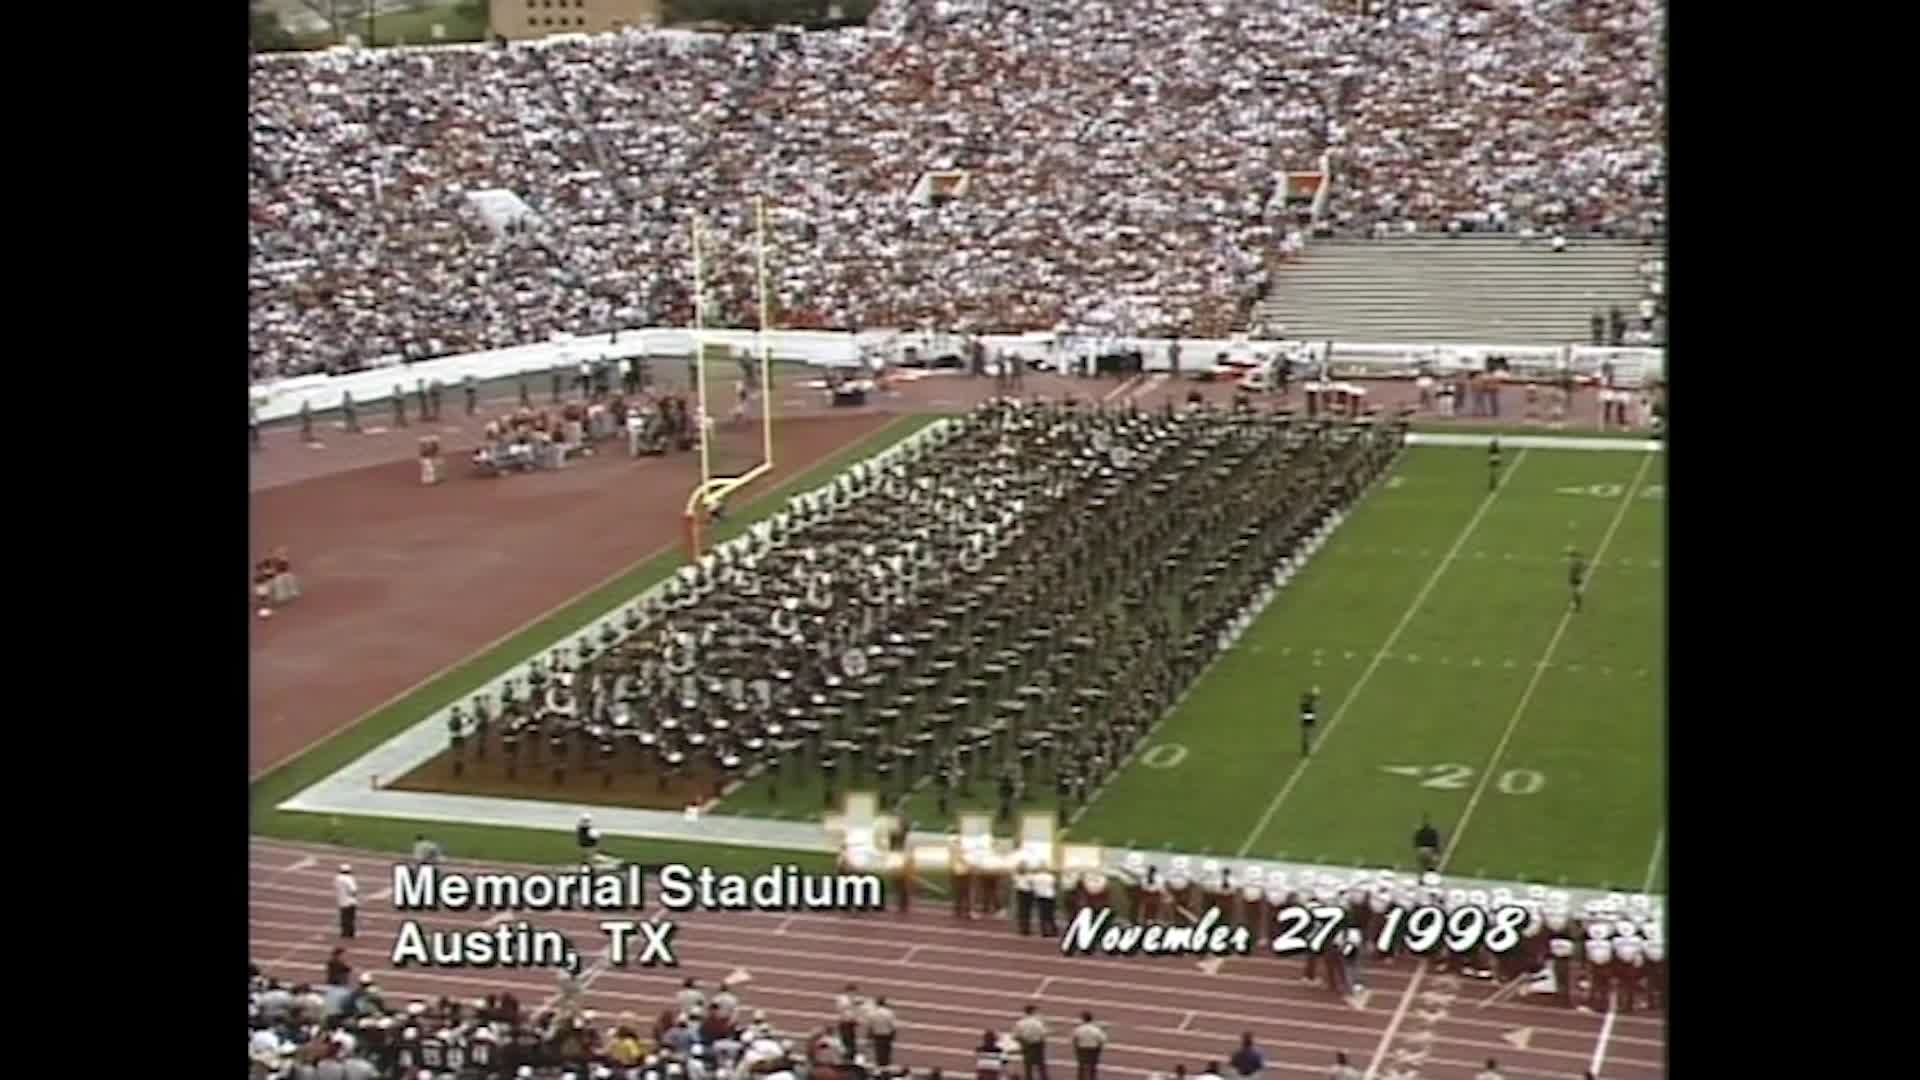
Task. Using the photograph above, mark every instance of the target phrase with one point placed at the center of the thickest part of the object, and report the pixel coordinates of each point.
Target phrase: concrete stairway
(1468, 288)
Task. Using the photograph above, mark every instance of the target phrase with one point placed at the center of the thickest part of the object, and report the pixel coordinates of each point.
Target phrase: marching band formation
(1013, 602)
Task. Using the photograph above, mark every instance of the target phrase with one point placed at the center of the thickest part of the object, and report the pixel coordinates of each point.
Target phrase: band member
(1561, 949)
(1045, 900)
(1150, 897)
(1426, 845)
(1023, 895)
(1599, 973)
(1253, 905)
(1309, 715)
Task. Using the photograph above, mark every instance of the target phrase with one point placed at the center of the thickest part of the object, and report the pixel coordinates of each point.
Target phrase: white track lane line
(1373, 665)
(1539, 669)
(1606, 1033)
(1393, 1026)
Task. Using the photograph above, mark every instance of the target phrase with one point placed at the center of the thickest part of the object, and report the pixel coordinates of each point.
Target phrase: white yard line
(1653, 864)
(1539, 669)
(1373, 665)
(1606, 1033)
(1399, 1017)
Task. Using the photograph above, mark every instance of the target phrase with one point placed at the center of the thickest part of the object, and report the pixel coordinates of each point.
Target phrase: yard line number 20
(1451, 777)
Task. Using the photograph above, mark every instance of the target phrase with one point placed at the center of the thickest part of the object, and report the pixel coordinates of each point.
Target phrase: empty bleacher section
(1465, 288)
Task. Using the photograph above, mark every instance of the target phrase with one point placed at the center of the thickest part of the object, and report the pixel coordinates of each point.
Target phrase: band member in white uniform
(1044, 901)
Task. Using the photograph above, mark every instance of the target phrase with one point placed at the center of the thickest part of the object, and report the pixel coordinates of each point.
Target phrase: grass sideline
(528, 845)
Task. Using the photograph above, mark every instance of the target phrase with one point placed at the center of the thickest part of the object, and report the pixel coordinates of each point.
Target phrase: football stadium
(859, 541)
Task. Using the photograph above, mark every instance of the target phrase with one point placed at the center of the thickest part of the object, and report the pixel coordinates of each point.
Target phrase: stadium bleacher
(1121, 157)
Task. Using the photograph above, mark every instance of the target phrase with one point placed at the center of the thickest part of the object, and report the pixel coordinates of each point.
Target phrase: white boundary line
(1606, 1035)
(1540, 669)
(1373, 665)
(1653, 863)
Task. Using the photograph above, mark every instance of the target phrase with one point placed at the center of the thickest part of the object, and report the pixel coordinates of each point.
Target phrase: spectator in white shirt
(346, 894)
(692, 1002)
(1088, 1039)
(1030, 1032)
(881, 1028)
(848, 1007)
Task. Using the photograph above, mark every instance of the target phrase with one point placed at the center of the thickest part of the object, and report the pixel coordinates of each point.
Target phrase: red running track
(950, 980)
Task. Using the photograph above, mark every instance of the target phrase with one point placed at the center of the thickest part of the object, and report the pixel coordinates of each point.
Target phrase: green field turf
(1555, 777)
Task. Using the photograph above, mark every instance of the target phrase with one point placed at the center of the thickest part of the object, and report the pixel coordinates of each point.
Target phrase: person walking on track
(346, 893)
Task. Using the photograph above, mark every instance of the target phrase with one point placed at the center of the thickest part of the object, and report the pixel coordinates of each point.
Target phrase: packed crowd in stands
(347, 1028)
(1121, 154)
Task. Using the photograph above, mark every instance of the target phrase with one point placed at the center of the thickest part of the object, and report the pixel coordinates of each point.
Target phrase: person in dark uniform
(526, 392)
(1426, 845)
(1576, 575)
(253, 425)
(347, 409)
(399, 405)
(306, 422)
(420, 400)
(559, 384)
(473, 393)
(587, 837)
(1493, 464)
(339, 972)
(1006, 796)
(1309, 715)
(433, 399)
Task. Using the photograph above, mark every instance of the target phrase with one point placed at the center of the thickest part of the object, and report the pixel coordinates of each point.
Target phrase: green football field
(1455, 682)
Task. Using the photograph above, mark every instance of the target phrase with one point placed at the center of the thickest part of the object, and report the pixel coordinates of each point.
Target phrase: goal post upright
(700, 353)
(712, 489)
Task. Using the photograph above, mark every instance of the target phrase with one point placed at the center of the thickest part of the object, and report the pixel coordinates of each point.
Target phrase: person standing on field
(346, 894)
(1088, 1039)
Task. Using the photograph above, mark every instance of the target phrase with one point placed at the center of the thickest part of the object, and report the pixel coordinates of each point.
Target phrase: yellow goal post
(713, 490)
